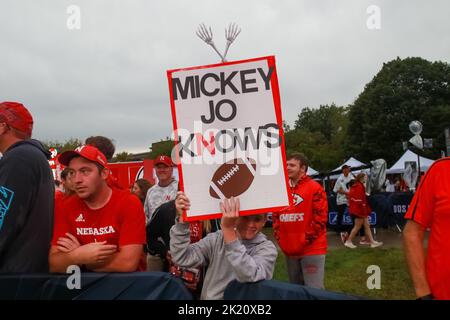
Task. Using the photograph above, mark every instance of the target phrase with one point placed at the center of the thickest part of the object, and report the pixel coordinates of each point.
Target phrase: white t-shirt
(390, 187)
(342, 182)
(158, 195)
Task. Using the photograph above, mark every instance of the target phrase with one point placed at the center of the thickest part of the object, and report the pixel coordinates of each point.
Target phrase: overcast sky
(109, 77)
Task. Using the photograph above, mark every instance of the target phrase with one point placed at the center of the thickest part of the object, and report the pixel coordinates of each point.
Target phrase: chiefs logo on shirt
(297, 199)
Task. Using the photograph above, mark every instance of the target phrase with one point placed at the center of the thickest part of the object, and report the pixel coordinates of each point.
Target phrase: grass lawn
(345, 271)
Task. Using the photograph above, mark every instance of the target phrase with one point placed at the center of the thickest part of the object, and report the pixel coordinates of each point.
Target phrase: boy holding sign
(239, 251)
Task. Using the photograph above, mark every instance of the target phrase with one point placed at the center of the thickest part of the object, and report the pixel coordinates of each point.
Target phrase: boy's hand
(230, 210)
(182, 203)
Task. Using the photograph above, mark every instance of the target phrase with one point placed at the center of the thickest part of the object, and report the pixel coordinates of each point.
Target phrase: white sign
(229, 138)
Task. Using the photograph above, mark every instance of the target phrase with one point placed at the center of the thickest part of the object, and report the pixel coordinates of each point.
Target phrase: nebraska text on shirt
(95, 231)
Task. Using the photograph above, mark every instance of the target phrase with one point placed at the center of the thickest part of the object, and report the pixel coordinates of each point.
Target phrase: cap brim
(65, 157)
(162, 162)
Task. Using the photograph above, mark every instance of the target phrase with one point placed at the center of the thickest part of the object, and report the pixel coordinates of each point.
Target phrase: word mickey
(195, 86)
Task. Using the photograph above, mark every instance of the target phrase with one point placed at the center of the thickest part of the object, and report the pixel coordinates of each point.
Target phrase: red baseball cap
(17, 116)
(88, 152)
(164, 160)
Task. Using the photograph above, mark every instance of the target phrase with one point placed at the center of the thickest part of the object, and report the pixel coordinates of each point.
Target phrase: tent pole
(418, 164)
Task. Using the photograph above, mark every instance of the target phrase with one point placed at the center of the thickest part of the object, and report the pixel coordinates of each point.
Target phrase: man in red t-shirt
(430, 208)
(301, 230)
(100, 228)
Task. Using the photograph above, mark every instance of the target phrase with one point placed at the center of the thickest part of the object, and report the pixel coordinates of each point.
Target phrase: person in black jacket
(26, 194)
(158, 235)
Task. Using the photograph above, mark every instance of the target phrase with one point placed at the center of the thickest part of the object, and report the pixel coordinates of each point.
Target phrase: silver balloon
(410, 174)
(417, 141)
(377, 176)
(415, 127)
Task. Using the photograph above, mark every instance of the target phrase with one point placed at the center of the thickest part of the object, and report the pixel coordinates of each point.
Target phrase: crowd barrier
(94, 286)
(277, 290)
(146, 286)
(388, 209)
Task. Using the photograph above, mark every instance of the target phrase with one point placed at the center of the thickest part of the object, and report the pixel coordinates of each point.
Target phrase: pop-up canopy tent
(353, 163)
(312, 172)
(399, 166)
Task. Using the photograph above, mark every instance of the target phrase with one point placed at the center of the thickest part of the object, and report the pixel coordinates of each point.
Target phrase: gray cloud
(109, 77)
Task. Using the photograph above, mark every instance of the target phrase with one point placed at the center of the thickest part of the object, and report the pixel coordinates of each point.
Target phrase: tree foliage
(163, 147)
(69, 144)
(330, 120)
(403, 91)
(122, 157)
(319, 134)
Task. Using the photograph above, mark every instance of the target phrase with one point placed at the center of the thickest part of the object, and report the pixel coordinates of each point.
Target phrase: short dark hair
(144, 185)
(300, 157)
(104, 144)
(259, 215)
(65, 173)
(99, 167)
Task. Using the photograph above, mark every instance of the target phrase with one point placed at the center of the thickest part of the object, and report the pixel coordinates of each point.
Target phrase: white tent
(399, 166)
(311, 172)
(352, 162)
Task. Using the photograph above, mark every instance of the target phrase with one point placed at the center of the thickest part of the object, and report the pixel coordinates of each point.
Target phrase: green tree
(122, 157)
(330, 120)
(286, 127)
(320, 133)
(162, 147)
(69, 144)
(404, 90)
(435, 121)
(323, 156)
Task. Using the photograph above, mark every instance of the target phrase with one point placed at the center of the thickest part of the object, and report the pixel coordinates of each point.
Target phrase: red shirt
(357, 201)
(301, 230)
(113, 182)
(59, 196)
(430, 207)
(120, 222)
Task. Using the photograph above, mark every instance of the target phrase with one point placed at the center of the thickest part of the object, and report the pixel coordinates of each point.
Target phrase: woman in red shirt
(360, 210)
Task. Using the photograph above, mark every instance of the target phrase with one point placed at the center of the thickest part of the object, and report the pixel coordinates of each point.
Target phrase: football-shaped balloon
(232, 178)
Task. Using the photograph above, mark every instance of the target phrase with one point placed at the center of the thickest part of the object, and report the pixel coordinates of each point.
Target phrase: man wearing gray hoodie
(240, 251)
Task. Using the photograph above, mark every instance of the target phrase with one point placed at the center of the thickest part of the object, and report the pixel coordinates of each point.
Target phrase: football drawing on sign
(232, 178)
